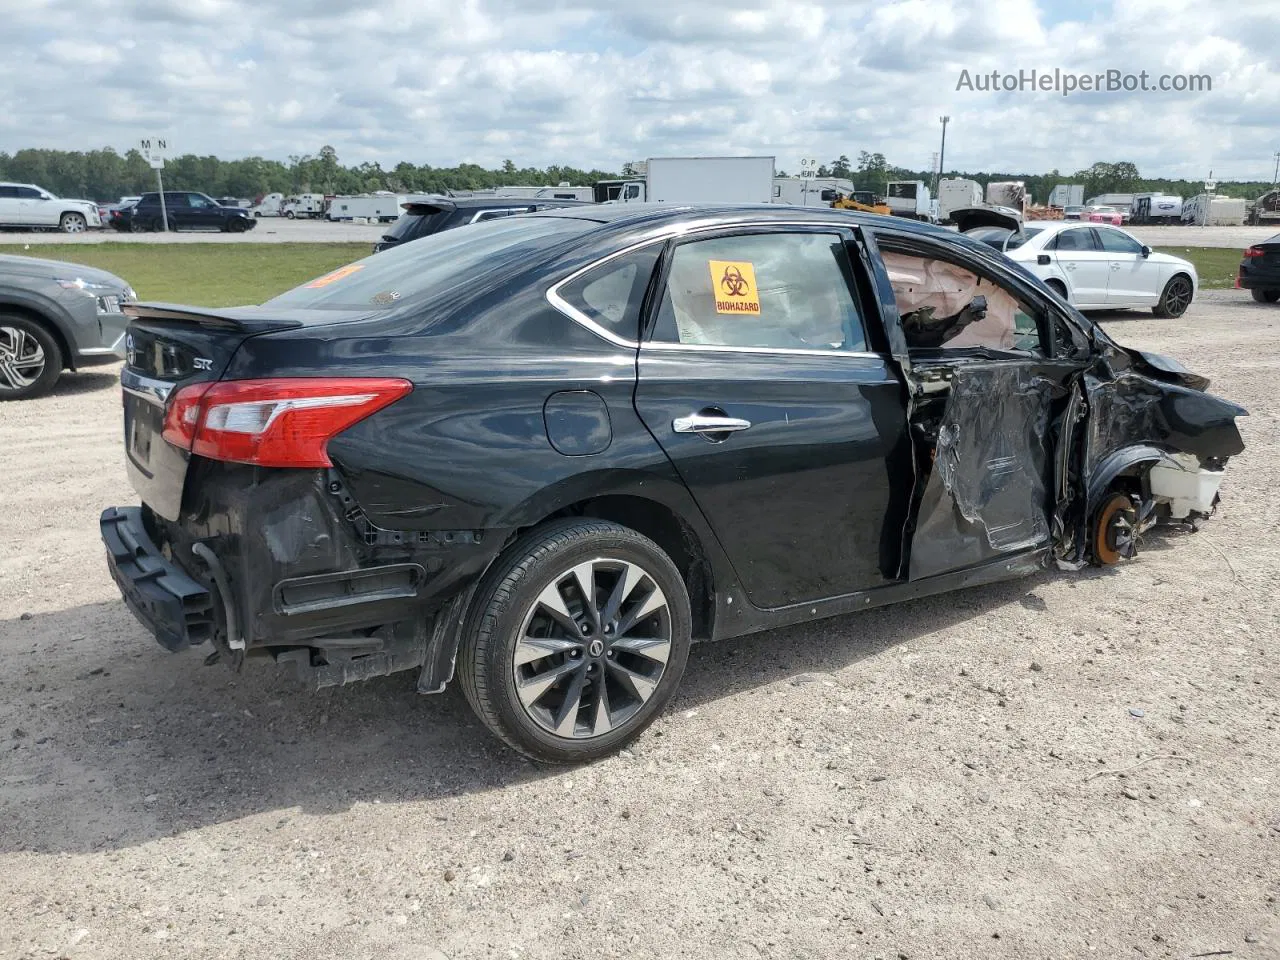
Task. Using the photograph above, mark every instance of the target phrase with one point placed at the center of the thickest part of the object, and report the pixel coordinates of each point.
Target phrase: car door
(33, 209)
(201, 213)
(1134, 280)
(988, 367)
(757, 380)
(9, 206)
(1084, 264)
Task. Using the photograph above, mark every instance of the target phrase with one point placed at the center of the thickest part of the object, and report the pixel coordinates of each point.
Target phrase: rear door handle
(709, 423)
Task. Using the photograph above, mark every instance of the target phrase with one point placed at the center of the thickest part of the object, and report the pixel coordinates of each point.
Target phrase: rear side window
(30, 193)
(611, 295)
(780, 291)
(1077, 240)
(430, 268)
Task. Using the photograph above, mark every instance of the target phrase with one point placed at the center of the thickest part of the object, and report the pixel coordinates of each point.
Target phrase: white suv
(26, 205)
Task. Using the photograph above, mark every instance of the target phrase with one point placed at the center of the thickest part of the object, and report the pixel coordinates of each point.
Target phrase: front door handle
(709, 423)
(1115, 266)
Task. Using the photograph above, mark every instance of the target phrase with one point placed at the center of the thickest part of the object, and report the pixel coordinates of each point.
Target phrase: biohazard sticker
(734, 283)
(334, 277)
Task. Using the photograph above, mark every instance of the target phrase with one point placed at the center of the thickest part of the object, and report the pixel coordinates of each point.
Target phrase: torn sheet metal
(1136, 409)
(986, 495)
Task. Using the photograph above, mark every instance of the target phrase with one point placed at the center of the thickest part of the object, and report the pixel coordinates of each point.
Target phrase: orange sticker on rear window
(734, 283)
(334, 277)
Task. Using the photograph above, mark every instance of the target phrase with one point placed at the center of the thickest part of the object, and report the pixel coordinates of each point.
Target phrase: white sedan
(1096, 267)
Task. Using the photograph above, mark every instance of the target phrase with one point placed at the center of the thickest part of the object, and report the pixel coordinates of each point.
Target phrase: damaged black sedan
(546, 453)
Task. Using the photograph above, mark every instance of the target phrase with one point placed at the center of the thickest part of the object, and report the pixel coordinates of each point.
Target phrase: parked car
(1094, 267)
(26, 205)
(426, 215)
(185, 210)
(1260, 270)
(548, 451)
(1072, 212)
(1106, 215)
(118, 210)
(56, 316)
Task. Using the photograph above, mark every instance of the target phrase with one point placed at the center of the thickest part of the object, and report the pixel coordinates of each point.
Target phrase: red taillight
(274, 423)
(1254, 252)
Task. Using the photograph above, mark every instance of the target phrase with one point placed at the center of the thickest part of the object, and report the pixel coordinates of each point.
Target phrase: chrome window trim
(800, 351)
(681, 232)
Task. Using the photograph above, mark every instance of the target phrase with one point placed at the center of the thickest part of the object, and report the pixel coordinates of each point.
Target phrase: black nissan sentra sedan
(546, 453)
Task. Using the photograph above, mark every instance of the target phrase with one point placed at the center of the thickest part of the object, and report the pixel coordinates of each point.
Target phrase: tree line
(872, 171)
(107, 175)
(104, 175)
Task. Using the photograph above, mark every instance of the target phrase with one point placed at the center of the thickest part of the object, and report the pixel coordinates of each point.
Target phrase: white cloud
(597, 83)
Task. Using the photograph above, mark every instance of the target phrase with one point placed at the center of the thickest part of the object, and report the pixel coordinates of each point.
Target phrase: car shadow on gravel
(71, 384)
(106, 741)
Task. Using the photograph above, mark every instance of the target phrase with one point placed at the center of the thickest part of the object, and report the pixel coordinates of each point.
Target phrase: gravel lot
(1070, 765)
(280, 230)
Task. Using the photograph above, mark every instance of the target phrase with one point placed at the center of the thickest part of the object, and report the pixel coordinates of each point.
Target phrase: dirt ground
(281, 230)
(1071, 765)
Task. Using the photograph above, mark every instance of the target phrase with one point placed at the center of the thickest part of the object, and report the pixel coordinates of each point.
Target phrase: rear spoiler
(240, 319)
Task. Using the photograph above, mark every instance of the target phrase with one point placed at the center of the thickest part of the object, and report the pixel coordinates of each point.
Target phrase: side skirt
(1004, 568)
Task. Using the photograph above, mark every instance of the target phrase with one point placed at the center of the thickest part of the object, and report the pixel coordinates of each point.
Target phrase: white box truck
(693, 180)
(909, 198)
(268, 206)
(1067, 195)
(304, 206)
(376, 208)
(810, 191)
(957, 193)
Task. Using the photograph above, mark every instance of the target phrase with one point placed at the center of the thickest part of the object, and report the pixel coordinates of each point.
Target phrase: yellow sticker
(334, 277)
(734, 283)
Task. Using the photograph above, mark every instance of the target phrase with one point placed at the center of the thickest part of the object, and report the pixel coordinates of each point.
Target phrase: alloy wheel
(593, 648)
(1178, 297)
(21, 359)
(74, 223)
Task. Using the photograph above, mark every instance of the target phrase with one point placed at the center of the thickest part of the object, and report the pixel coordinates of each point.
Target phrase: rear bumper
(175, 608)
(1258, 278)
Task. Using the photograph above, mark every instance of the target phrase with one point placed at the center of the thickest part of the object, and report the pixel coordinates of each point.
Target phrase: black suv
(186, 210)
(426, 215)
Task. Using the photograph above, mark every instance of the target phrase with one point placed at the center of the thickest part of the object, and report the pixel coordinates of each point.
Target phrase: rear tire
(1175, 299)
(73, 223)
(30, 358)
(564, 678)
(1266, 296)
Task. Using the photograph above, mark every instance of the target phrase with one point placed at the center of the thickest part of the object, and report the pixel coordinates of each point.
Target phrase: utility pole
(942, 153)
(1275, 177)
(937, 172)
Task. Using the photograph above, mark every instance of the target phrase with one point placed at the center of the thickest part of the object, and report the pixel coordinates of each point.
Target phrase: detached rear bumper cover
(169, 603)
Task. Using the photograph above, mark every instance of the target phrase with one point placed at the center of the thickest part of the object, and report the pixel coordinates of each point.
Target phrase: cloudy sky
(597, 82)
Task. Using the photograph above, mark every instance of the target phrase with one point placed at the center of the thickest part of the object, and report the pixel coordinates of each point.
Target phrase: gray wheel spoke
(552, 604)
(654, 602)
(531, 690)
(601, 723)
(656, 649)
(530, 649)
(585, 576)
(639, 685)
(621, 590)
(566, 721)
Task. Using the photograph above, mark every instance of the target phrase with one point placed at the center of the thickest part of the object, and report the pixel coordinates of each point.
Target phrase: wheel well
(1184, 274)
(68, 358)
(1053, 283)
(676, 538)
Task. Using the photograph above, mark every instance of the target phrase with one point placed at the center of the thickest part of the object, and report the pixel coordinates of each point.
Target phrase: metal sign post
(154, 151)
(1210, 185)
(808, 170)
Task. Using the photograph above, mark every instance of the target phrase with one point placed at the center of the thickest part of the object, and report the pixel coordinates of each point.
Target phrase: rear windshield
(434, 265)
(1002, 238)
(417, 222)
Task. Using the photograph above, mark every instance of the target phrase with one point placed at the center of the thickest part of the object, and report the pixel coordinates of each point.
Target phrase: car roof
(665, 214)
(485, 203)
